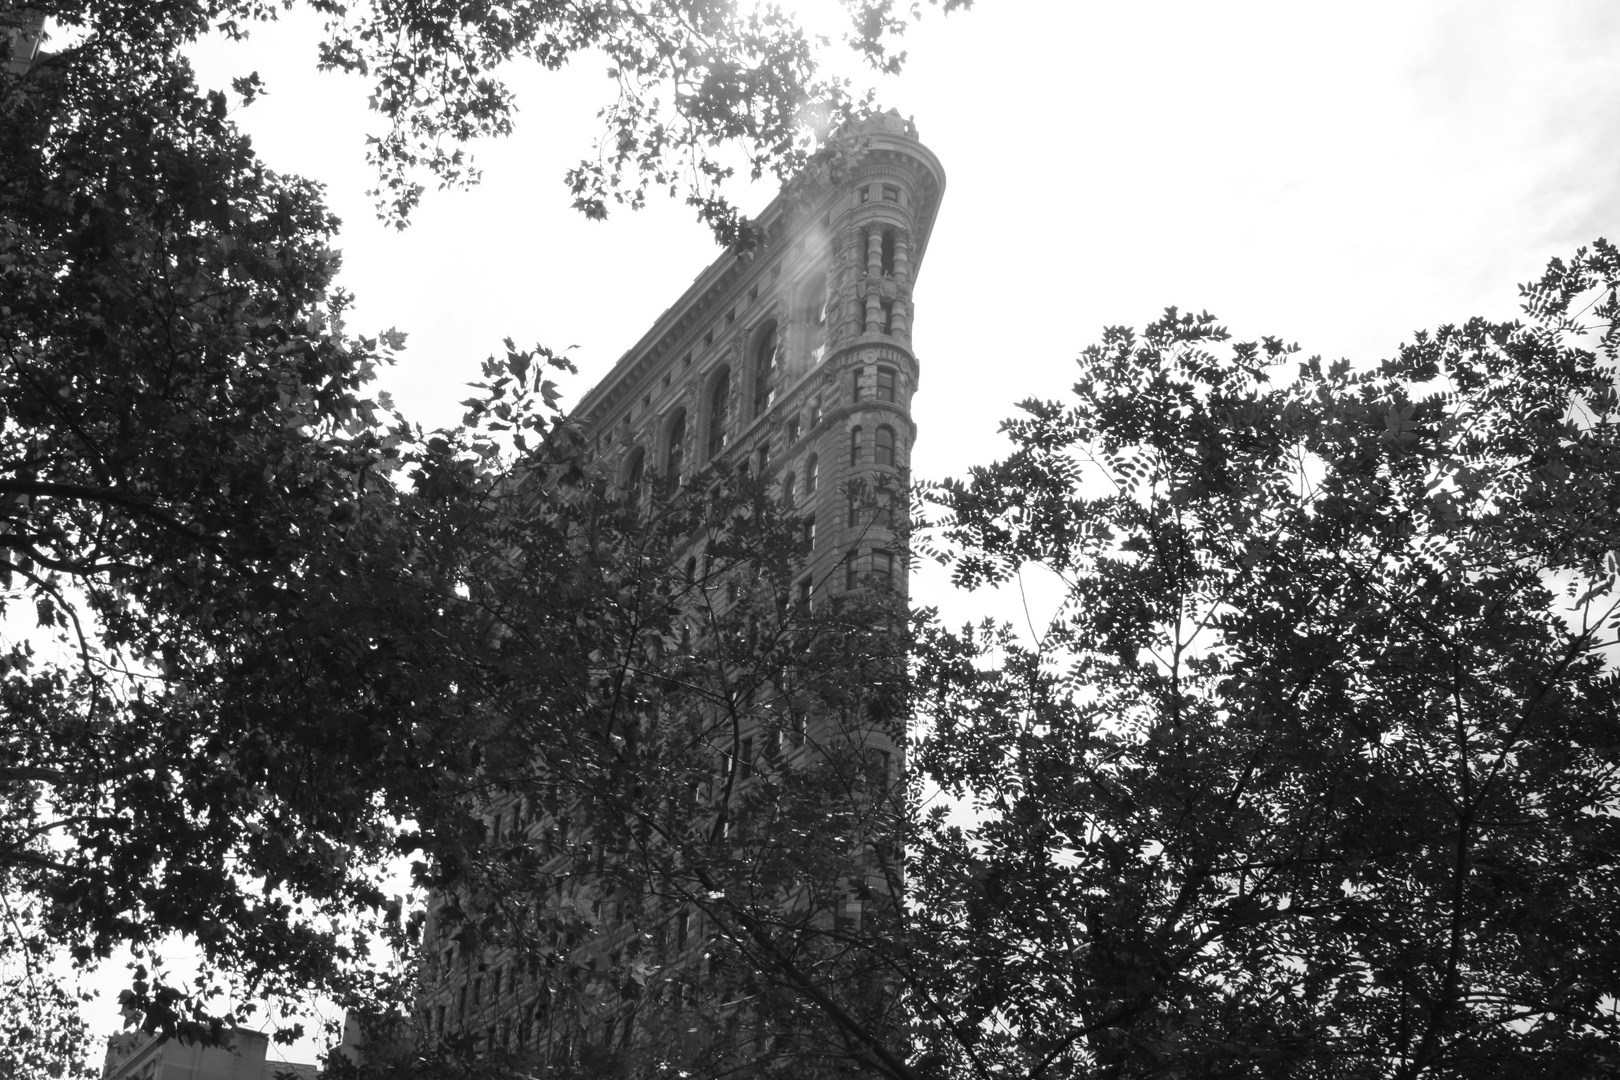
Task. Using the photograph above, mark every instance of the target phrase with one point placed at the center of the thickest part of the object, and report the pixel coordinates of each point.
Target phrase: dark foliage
(1314, 774)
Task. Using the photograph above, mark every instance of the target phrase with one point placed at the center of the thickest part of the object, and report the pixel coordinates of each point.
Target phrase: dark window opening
(765, 370)
(886, 316)
(885, 384)
(887, 265)
(632, 480)
(854, 445)
(675, 453)
(883, 447)
(816, 297)
(810, 467)
(719, 412)
(891, 193)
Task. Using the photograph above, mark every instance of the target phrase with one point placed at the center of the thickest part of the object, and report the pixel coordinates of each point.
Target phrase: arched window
(675, 452)
(719, 412)
(888, 252)
(634, 473)
(854, 445)
(789, 490)
(883, 447)
(885, 384)
(765, 368)
(810, 475)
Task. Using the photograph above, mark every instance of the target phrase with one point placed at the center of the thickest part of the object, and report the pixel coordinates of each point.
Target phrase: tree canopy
(283, 636)
(1314, 773)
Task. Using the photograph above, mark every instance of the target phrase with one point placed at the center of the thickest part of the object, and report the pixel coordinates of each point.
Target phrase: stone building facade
(795, 364)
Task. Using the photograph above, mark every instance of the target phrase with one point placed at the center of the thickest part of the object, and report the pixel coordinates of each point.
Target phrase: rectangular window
(793, 431)
(804, 595)
(885, 384)
(753, 294)
(855, 384)
(807, 532)
(891, 193)
(815, 412)
(854, 510)
(851, 574)
(886, 320)
(866, 194)
(745, 761)
(796, 732)
(883, 569)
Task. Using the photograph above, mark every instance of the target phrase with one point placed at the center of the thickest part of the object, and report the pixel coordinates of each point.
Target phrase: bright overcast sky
(1336, 175)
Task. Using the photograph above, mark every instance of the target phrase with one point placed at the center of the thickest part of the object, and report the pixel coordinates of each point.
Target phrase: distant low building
(138, 1056)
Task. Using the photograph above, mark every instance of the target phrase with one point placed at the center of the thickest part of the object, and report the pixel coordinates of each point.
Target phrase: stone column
(902, 256)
